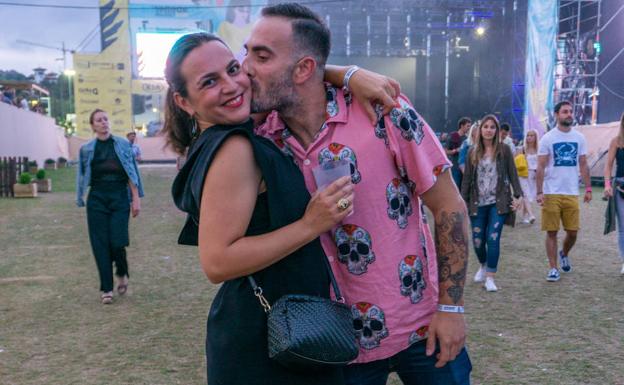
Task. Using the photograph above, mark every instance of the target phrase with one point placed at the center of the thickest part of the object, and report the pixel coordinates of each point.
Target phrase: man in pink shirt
(405, 291)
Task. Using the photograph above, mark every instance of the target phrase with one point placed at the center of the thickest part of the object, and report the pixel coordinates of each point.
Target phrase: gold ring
(343, 204)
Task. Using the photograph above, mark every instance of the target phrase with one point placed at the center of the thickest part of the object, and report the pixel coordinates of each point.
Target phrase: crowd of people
(254, 135)
(517, 174)
(20, 100)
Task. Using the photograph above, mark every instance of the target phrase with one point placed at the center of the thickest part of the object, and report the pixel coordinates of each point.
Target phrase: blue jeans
(487, 227)
(457, 176)
(413, 367)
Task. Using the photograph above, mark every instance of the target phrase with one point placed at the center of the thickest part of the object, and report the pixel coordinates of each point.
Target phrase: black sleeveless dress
(236, 341)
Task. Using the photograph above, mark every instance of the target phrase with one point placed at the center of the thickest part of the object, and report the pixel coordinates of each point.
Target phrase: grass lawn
(53, 329)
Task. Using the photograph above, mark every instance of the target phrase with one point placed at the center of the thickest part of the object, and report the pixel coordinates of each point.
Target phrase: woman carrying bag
(526, 164)
(614, 190)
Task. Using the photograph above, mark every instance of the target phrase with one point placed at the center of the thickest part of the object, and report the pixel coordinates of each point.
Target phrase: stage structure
(578, 54)
(453, 58)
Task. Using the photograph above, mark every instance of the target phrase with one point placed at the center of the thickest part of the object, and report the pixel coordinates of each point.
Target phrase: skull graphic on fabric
(337, 151)
(369, 322)
(420, 334)
(354, 248)
(412, 278)
(408, 122)
(380, 127)
(399, 203)
(332, 102)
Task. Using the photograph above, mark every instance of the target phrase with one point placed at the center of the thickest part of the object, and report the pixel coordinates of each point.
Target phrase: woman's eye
(208, 83)
(234, 69)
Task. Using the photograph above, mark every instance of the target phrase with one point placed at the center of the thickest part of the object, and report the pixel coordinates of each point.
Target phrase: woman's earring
(194, 128)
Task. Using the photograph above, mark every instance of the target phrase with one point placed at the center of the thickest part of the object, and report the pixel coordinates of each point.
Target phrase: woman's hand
(608, 192)
(323, 213)
(370, 88)
(515, 203)
(135, 207)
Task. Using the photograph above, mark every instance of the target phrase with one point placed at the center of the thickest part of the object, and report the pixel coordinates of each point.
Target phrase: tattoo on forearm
(452, 250)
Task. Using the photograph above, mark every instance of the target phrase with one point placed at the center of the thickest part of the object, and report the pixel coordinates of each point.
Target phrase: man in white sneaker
(561, 155)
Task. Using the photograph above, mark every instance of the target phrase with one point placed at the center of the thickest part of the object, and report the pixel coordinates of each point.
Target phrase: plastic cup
(326, 173)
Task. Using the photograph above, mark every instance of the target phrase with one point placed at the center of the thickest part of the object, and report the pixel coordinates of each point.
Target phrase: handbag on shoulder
(309, 332)
(522, 165)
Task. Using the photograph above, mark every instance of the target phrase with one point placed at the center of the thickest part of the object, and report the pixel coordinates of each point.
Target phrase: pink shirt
(383, 255)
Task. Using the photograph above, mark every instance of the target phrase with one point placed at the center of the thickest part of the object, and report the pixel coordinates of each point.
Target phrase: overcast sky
(47, 26)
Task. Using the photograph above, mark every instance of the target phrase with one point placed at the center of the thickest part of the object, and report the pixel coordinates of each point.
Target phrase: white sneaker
(480, 275)
(622, 271)
(526, 221)
(490, 285)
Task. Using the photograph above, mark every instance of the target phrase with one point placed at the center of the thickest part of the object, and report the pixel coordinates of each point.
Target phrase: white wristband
(451, 309)
(347, 77)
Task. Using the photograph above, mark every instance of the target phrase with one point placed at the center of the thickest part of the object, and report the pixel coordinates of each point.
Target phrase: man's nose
(247, 67)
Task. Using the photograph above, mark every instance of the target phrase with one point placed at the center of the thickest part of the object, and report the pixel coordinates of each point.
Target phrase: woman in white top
(528, 184)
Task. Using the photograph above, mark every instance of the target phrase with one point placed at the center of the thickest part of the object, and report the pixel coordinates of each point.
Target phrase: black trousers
(108, 213)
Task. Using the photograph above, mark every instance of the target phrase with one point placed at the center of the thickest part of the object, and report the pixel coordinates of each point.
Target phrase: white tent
(598, 138)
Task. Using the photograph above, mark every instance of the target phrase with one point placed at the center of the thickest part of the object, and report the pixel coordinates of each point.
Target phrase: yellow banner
(104, 80)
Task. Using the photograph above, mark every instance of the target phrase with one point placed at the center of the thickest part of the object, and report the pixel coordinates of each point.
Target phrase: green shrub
(61, 160)
(41, 174)
(49, 161)
(33, 163)
(25, 178)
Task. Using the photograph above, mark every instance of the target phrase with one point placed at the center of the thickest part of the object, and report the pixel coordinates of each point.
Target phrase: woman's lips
(235, 103)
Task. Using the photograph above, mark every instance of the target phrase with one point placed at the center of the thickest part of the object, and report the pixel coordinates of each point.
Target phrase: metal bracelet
(348, 74)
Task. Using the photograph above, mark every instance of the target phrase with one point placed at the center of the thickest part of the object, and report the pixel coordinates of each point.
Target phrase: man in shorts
(561, 155)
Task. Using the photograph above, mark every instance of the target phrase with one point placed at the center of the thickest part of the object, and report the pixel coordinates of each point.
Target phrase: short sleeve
(418, 153)
(544, 146)
(582, 145)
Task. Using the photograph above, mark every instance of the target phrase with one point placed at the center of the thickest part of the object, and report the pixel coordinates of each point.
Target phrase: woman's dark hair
(178, 124)
(92, 116)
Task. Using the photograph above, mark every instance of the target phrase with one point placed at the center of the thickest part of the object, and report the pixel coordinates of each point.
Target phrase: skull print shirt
(382, 255)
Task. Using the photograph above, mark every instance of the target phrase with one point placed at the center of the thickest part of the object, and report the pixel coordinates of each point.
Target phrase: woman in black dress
(248, 211)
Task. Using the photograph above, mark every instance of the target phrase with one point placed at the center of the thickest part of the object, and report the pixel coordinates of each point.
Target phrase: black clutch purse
(309, 332)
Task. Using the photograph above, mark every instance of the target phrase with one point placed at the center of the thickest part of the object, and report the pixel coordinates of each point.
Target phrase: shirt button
(306, 162)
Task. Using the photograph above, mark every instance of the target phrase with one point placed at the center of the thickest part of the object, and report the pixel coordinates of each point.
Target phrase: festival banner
(540, 64)
(104, 80)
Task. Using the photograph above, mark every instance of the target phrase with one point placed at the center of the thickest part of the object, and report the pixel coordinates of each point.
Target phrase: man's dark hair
(310, 34)
(505, 127)
(463, 121)
(561, 104)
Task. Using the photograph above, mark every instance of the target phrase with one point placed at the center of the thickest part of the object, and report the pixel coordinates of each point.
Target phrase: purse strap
(267, 306)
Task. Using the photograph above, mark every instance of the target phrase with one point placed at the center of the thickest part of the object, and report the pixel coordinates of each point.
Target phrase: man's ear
(305, 69)
(183, 103)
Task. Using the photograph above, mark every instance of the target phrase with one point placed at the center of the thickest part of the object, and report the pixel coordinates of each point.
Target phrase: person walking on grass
(614, 190)
(562, 154)
(108, 166)
(486, 189)
(529, 151)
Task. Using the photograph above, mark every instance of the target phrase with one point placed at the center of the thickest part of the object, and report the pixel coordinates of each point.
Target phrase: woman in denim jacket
(107, 165)
(614, 191)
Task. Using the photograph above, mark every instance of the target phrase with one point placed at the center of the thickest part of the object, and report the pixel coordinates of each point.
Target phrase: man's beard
(278, 94)
(566, 122)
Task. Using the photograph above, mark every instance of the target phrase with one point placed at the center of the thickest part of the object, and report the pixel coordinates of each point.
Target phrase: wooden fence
(10, 169)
